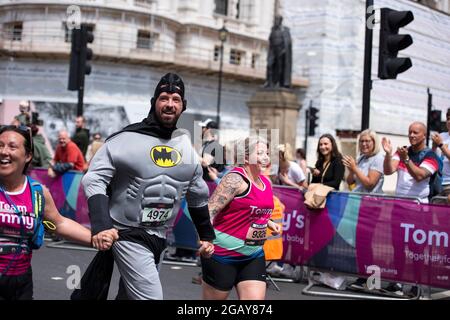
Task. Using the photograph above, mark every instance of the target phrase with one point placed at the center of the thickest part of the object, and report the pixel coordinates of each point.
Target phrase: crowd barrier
(67, 192)
(407, 241)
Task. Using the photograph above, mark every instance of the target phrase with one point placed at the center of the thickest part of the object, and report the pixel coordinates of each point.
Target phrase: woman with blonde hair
(240, 209)
(367, 171)
(289, 172)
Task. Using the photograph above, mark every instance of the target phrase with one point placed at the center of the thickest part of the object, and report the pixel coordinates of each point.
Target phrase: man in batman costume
(135, 184)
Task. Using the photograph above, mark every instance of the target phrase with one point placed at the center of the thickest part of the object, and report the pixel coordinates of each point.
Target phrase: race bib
(156, 215)
(256, 235)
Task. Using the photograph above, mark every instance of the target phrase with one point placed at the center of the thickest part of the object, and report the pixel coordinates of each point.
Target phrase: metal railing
(440, 200)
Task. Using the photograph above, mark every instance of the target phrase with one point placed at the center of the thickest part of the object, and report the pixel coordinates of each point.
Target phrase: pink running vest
(241, 226)
(13, 225)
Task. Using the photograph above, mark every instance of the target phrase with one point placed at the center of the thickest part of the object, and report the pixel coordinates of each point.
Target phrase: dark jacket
(81, 139)
(333, 175)
(211, 147)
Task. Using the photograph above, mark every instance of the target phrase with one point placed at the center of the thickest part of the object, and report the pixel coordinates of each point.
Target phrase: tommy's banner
(408, 242)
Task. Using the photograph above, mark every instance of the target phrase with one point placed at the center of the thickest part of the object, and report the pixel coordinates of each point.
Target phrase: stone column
(275, 108)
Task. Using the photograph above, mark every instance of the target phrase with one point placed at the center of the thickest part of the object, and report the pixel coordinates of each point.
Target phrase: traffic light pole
(80, 101)
(307, 127)
(430, 106)
(367, 82)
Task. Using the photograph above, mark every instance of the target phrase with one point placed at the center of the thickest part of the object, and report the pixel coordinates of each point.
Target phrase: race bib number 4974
(156, 215)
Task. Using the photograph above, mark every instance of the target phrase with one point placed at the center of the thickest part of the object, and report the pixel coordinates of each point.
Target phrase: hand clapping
(402, 153)
(349, 162)
(387, 146)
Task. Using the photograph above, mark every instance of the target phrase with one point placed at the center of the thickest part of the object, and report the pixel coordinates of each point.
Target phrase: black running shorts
(17, 287)
(222, 276)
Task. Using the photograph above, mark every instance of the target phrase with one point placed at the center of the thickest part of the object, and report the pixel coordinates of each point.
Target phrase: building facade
(135, 43)
(328, 39)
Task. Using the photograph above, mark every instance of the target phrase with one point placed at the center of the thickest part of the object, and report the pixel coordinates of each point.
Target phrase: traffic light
(435, 122)
(74, 60)
(389, 66)
(313, 117)
(80, 57)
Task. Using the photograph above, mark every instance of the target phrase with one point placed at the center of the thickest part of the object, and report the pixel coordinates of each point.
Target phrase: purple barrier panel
(409, 242)
(305, 232)
(67, 192)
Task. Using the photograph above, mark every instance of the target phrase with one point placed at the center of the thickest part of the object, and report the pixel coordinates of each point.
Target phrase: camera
(35, 119)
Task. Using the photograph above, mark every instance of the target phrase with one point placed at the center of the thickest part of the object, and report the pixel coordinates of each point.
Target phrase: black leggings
(17, 287)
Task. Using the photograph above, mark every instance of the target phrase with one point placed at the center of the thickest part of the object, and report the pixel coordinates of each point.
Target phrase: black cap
(171, 83)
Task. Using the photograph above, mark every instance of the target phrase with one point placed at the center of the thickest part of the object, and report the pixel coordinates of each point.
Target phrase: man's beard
(169, 124)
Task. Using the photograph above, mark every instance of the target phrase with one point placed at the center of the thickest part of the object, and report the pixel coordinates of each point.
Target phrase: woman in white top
(367, 171)
(289, 172)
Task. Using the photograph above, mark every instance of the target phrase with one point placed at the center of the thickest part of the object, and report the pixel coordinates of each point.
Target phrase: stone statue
(279, 58)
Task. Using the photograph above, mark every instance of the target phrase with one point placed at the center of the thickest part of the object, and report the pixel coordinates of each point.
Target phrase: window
(216, 53)
(146, 39)
(221, 7)
(143, 3)
(245, 10)
(13, 31)
(255, 60)
(236, 56)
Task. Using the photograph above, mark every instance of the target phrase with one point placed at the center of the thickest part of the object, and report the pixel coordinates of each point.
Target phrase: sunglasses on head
(22, 128)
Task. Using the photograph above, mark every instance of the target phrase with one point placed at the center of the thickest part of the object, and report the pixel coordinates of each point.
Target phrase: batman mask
(170, 83)
(151, 126)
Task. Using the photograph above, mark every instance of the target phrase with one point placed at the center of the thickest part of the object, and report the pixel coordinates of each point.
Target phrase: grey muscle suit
(140, 182)
(140, 185)
(135, 183)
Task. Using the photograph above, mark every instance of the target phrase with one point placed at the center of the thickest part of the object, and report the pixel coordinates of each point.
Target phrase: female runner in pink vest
(18, 216)
(240, 209)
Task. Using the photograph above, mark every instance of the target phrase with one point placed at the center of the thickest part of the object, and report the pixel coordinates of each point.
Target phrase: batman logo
(165, 156)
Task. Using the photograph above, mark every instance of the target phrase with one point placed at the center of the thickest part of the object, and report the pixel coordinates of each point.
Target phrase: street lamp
(223, 34)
